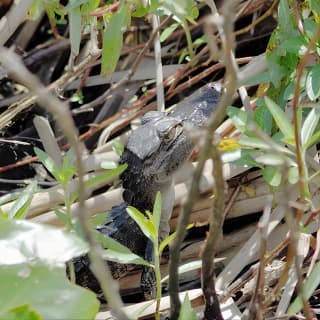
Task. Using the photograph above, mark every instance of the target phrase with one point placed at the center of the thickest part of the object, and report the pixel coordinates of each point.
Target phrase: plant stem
(158, 279)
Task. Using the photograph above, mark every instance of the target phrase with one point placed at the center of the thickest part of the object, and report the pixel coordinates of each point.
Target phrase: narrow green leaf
(75, 3)
(270, 159)
(126, 258)
(186, 312)
(258, 143)
(109, 243)
(296, 45)
(145, 224)
(315, 6)
(99, 219)
(284, 16)
(280, 118)
(272, 176)
(309, 125)
(293, 175)
(62, 216)
(22, 204)
(263, 77)
(165, 242)
(157, 208)
(112, 39)
(75, 29)
(190, 266)
(9, 197)
(117, 147)
(166, 33)
(48, 162)
(106, 177)
(239, 118)
(310, 284)
(262, 117)
(107, 164)
(312, 83)
(313, 140)
(246, 160)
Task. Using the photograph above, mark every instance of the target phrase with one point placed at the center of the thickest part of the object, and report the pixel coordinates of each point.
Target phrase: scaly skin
(153, 153)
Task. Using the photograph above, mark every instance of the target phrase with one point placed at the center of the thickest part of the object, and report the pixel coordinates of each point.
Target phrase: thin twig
(212, 308)
(295, 102)
(257, 304)
(130, 73)
(61, 112)
(157, 55)
(214, 121)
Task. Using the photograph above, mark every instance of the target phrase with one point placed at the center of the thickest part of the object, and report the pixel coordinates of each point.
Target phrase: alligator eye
(172, 133)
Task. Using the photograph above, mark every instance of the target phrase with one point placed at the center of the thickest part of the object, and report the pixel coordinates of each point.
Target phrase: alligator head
(161, 145)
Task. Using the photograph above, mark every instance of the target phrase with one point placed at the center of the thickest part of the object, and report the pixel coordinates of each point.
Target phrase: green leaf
(280, 118)
(263, 77)
(22, 204)
(263, 119)
(270, 159)
(310, 284)
(36, 10)
(246, 160)
(112, 39)
(125, 258)
(65, 218)
(309, 126)
(157, 210)
(99, 219)
(109, 243)
(9, 197)
(48, 162)
(117, 147)
(186, 312)
(24, 312)
(258, 143)
(75, 3)
(312, 83)
(293, 175)
(24, 242)
(313, 140)
(43, 290)
(106, 177)
(75, 29)
(165, 242)
(284, 20)
(107, 164)
(166, 33)
(275, 68)
(144, 224)
(297, 45)
(315, 6)
(190, 266)
(272, 176)
(239, 118)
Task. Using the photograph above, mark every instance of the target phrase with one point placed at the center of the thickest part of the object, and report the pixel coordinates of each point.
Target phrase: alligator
(153, 153)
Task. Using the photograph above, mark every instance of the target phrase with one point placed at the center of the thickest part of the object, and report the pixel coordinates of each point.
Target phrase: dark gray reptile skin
(153, 153)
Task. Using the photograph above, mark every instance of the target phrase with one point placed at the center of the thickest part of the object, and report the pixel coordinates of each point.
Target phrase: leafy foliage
(32, 273)
(82, 14)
